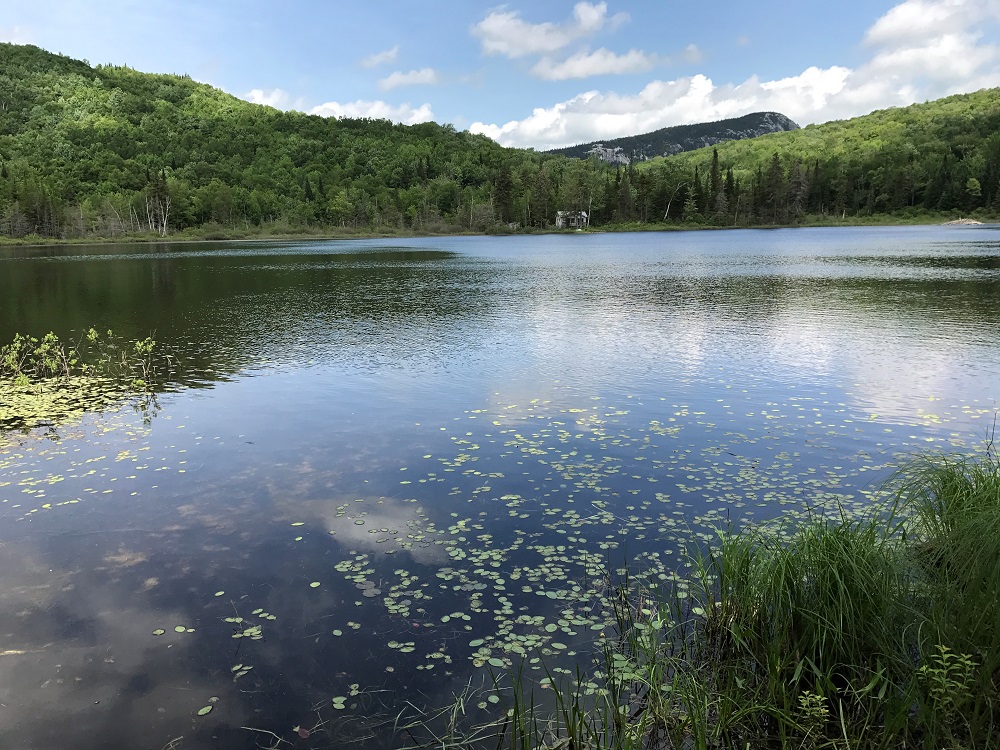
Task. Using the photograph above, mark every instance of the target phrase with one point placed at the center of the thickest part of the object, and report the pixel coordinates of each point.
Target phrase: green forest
(105, 151)
(942, 156)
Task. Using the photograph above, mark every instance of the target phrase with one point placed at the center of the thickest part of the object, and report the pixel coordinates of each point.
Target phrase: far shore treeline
(90, 152)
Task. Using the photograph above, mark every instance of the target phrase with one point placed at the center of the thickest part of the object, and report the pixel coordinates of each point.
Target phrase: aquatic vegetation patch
(29, 358)
(48, 381)
(874, 631)
(525, 564)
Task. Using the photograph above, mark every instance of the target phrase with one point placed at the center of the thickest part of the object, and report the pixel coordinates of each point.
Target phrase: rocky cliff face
(674, 140)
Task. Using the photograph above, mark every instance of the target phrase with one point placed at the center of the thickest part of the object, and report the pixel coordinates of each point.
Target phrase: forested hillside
(940, 156)
(106, 151)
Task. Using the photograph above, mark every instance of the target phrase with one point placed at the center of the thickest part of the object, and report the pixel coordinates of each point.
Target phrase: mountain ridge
(677, 139)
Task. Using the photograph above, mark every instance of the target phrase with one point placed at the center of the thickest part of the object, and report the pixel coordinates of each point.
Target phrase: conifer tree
(798, 190)
(774, 191)
(503, 194)
(715, 175)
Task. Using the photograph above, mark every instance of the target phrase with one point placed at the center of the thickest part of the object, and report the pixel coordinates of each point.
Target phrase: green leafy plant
(948, 678)
(813, 715)
(28, 359)
(48, 380)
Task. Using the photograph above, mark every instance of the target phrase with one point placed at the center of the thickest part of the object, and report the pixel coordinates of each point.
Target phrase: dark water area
(383, 471)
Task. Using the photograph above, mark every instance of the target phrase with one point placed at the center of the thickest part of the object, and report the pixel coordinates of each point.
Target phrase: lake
(383, 471)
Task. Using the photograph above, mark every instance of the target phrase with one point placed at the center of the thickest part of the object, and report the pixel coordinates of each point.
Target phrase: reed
(954, 540)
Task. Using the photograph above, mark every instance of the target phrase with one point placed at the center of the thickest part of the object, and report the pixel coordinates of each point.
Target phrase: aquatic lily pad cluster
(533, 587)
(28, 405)
(560, 503)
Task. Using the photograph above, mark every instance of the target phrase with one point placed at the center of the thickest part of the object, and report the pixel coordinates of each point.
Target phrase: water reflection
(229, 309)
(415, 464)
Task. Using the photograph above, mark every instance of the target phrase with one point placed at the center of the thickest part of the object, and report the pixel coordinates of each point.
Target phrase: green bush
(28, 359)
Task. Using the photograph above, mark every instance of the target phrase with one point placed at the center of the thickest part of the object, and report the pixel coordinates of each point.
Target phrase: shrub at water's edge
(879, 632)
(45, 381)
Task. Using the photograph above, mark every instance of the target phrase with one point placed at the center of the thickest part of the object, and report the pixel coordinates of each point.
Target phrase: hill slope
(942, 155)
(106, 151)
(680, 138)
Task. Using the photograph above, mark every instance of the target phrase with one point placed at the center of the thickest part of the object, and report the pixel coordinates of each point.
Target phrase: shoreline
(239, 236)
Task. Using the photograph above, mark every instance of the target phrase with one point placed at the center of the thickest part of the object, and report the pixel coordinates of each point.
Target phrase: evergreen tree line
(790, 190)
(943, 156)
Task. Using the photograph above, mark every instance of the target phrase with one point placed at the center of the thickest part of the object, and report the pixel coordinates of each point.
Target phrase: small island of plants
(47, 380)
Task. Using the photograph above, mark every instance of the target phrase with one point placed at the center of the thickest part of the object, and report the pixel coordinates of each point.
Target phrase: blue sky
(542, 73)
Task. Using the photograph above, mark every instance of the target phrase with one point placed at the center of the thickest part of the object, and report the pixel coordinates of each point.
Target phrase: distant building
(572, 220)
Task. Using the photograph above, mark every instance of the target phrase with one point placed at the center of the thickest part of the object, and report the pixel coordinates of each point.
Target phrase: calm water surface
(382, 469)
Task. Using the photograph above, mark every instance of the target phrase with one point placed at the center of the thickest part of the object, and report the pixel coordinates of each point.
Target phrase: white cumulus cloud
(376, 110)
(597, 116)
(504, 32)
(381, 58)
(277, 98)
(424, 76)
(585, 64)
(916, 20)
(911, 59)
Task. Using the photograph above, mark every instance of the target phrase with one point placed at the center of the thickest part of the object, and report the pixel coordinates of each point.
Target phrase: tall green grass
(955, 546)
(873, 632)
